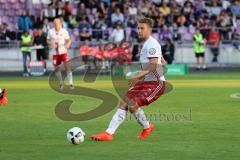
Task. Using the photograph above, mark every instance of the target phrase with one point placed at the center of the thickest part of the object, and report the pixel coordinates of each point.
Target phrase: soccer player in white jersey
(60, 42)
(147, 86)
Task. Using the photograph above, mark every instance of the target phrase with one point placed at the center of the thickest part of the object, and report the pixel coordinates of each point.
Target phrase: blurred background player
(60, 41)
(41, 39)
(3, 97)
(146, 86)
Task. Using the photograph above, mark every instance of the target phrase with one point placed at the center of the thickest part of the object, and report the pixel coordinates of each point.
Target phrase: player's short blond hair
(57, 19)
(147, 21)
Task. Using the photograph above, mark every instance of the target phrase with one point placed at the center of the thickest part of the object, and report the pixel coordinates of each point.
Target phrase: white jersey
(60, 38)
(151, 48)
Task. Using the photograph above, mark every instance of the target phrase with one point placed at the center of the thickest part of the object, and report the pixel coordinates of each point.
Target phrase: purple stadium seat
(8, 6)
(88, 11)
(128, 32)
(75, 32)
(17, 6)
(109, 30)
(38, 6)
(13, 1)
(238, 25)
(74, 11)
(5, 19)
(94, 10)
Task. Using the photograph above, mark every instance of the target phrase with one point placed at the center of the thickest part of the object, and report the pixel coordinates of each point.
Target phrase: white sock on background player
(141, 118)
(70, 78)
(59, 77)
(117, 119)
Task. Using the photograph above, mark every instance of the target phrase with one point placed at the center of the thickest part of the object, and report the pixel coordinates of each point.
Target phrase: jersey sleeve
(154, 50)
(66, 35)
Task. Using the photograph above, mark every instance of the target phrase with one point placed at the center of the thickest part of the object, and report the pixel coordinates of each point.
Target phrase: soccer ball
(75, 135)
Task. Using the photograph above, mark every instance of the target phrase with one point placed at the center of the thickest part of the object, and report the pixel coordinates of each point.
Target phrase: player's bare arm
(68, 43)
(163, 62)
(150, 68)
(51, 44)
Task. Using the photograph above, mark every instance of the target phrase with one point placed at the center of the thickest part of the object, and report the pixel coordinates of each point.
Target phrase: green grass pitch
(201, 122)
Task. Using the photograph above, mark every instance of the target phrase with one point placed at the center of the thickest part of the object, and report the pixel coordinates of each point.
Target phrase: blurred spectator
(117, 35)
(4, 32)
(175, 10)
(31, 15)
(157, 2)
(52, 11)
(133, 9)
(67, 10)
(117, 16)
(72, 22)
(187, 9)
(213, 39)
(214, 9)
(165, 34)
(38, 20)
(93, 5)
(152, 14)
(136, 51)
(49, 13)
(84, 34)
(160, 21)
(56, 6)
(164, 9)
(102, 9)
(199, 4)
(226, 4)
(84, 24)
(98, 25)
(41, 40)
(203, 26)
(236, 39)
(181, 20)
(81, 12)
(24, 22)
(64, 23)
(175, 32)
(26, 43)
(143, 7)
(168, 51)
(46, 25)
(224, 22)
(132, 23)
(199, 49)
(235, 8)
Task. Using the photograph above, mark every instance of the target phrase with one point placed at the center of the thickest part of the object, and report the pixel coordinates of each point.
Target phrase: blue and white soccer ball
(75, 135)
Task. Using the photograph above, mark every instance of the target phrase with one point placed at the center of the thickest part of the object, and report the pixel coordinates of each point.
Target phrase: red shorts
(146, 92)
(59, 58)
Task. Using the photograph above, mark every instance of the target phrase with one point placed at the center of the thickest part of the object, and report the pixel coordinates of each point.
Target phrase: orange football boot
(146, 132)
(103, 136)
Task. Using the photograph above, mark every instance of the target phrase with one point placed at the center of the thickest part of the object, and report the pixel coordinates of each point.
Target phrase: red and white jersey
(59, 38)
(151, 48)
